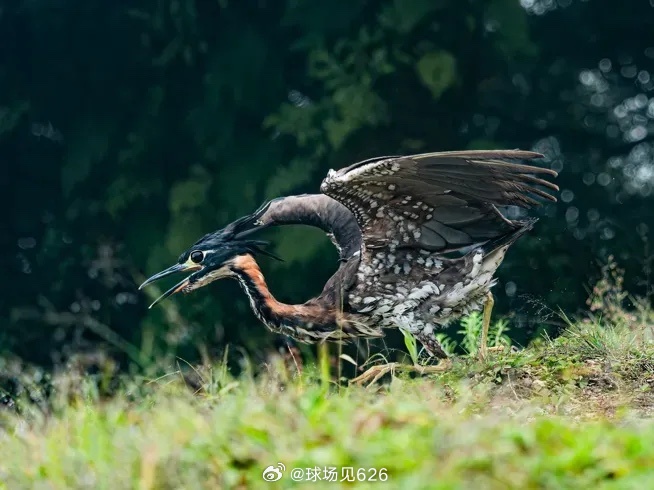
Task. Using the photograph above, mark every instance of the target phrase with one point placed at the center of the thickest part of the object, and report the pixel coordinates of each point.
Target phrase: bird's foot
(375, 373)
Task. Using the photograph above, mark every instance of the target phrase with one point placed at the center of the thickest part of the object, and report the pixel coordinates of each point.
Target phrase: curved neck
(278, 316)
(316, 210)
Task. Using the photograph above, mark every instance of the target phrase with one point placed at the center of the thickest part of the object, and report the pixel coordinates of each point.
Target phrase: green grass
(569, 413)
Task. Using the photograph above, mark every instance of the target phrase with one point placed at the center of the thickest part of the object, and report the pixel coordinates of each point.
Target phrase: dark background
(129, 129)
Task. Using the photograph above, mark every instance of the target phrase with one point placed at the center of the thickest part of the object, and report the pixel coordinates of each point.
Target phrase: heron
(419, 239)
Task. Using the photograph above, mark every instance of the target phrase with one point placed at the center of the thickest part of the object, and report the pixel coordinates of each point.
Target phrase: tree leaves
(404, 15)
(10, 115)
(181, 116)
(508, 21)
(88, 147)
(190, 194)
(437, 71)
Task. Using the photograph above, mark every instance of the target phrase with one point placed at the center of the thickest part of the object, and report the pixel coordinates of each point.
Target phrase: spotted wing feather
(438, 201)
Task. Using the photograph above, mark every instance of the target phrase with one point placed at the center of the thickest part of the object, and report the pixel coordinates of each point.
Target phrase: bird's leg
(488, 309)
(433, 348)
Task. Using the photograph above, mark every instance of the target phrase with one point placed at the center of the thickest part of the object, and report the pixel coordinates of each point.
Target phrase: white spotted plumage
(421, 293)
(394, 221)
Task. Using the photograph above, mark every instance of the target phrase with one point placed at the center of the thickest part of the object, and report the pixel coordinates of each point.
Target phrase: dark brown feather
(448, 199)
(393, 220)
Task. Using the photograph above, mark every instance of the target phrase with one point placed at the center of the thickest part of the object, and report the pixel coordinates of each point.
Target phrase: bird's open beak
(167, 272)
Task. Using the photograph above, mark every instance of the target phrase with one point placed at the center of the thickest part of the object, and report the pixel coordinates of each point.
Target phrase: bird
(419, 238)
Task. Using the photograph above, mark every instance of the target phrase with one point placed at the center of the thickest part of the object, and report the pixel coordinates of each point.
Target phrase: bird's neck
(313, 321)
(277, 316)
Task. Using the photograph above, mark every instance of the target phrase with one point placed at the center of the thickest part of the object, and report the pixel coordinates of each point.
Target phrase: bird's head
(214, 256)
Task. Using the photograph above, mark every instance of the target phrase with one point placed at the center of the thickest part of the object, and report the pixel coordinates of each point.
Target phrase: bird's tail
(494, 251)
(505, 241)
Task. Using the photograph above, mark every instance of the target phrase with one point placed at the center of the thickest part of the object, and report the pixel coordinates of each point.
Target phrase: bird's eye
(197, 256)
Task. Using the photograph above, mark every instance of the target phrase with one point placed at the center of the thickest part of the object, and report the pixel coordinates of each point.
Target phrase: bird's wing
(438, 201)
(316, 210)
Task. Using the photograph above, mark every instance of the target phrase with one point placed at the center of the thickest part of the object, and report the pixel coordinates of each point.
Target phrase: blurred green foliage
(128, 130)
